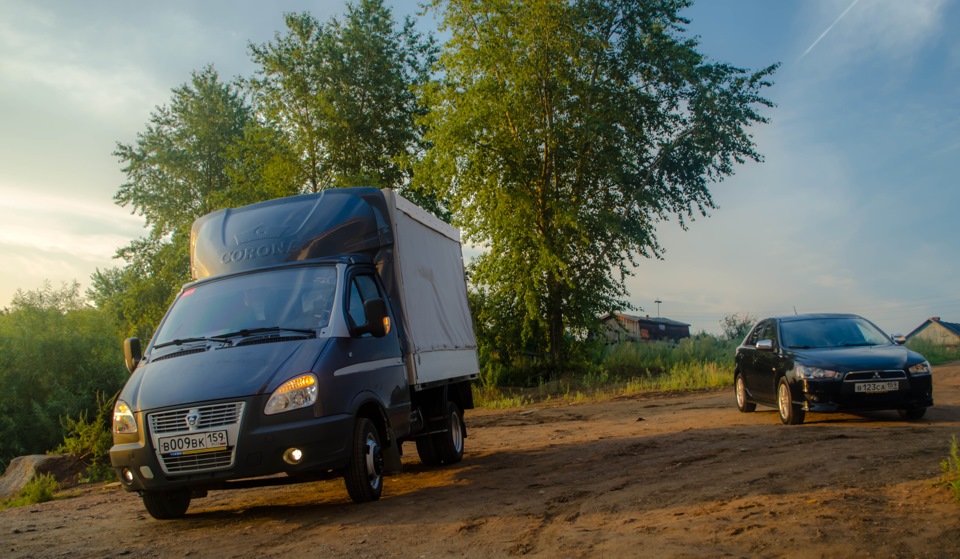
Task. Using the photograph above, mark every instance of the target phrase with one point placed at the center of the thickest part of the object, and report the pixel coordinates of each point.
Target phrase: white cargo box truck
(321, 333)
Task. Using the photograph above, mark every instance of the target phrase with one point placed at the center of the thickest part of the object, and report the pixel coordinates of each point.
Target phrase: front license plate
(193, 443)
(888, 386)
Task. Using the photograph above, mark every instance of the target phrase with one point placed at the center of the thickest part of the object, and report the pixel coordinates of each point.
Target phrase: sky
(852, 210)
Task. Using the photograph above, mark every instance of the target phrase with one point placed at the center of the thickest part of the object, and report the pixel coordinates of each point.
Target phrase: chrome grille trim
(213, 417)
(865, 376)
(175, 421)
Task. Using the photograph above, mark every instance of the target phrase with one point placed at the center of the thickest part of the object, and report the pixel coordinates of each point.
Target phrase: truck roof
(326, 224)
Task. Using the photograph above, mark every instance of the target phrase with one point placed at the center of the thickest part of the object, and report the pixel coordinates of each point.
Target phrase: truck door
(376, 362)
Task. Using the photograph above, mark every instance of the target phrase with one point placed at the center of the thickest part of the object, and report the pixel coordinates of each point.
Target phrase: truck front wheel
(364, 474)
(167, 505)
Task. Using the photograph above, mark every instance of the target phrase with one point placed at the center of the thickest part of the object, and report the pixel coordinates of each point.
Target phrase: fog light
(293, 456)
(127, 475)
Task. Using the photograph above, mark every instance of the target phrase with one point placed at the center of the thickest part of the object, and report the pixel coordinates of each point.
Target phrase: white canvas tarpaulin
(428, 268)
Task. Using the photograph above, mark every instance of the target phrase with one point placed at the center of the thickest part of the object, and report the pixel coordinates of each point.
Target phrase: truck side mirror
(132, 353)
(378, 321)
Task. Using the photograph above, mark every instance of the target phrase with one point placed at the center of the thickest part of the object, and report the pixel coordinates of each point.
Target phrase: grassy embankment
(696, 363)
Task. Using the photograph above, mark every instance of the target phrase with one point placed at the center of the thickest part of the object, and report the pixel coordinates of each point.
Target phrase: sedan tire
(912, 414)
(790, 413)
(741, 391)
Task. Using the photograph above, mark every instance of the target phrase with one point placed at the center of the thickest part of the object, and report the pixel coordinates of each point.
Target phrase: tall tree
(564, 131)
(56, 354)
(342, 94)
(202, 152)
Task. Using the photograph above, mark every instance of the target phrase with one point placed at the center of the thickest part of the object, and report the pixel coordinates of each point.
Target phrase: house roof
(951, 326)
(649, 319)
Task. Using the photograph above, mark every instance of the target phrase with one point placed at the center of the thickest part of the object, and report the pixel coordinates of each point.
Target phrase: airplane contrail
(827, 30)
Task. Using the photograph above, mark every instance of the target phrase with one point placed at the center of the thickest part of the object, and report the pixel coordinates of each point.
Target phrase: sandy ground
(668, 476)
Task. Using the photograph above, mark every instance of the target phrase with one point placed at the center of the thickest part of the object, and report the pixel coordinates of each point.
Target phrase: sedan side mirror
(898, 339)
(132, 353)
(765, 345)
(378, 320)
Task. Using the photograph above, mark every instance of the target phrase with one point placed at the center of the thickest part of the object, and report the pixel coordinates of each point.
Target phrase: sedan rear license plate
(874, 387)
(193, 443)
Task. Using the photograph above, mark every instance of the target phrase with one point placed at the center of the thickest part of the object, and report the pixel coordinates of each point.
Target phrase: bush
(90, 441)
(40, 489)
(951, 469)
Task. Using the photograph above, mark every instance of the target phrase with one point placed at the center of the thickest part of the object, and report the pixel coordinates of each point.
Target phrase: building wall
(936, 334)
(631, 330)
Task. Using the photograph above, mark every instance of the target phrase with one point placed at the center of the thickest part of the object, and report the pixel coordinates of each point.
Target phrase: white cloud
(891, 30)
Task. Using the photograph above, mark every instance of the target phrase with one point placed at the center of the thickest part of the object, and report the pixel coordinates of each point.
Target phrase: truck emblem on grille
(192, 419)
(876, 375)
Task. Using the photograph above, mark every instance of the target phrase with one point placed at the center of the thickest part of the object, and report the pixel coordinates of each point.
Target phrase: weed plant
(935, 354)
(698, 363)
(89, 440)
(951, 470)
(40, 489)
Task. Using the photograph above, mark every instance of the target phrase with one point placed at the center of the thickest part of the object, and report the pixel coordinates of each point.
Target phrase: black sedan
(827, 363)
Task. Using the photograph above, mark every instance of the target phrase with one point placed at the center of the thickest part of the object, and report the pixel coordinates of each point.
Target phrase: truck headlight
(123, 421)
(816, 373)
(921, 369)
(296, 393)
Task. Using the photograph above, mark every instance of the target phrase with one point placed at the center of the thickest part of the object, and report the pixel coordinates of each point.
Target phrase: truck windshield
(291, 298)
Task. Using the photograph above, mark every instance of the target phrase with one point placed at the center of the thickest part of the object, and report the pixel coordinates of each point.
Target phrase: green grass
(935, 354)
(40, 489)
(625, 369)
(951, 470)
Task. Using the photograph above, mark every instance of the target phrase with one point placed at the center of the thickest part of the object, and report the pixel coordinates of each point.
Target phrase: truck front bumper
(293, 443)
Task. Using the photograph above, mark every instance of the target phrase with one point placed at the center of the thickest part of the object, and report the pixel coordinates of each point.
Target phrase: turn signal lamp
(296, 393)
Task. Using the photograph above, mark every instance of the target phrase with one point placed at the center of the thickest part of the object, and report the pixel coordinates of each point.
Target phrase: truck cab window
(362, 288)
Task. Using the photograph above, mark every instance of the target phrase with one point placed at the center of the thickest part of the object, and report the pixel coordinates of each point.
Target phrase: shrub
(90, 441)
(40, 489)
(951, 469)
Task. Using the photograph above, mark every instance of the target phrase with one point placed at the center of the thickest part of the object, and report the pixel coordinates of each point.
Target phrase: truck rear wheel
(427, 450)
(449, 444)
(167, 505)
(364, 475)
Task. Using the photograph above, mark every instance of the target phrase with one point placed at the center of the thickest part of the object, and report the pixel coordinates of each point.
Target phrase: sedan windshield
(294, 299)
(831, 332)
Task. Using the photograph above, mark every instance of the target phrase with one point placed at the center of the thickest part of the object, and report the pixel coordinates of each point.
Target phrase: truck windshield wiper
(182, 341)
(254, 331)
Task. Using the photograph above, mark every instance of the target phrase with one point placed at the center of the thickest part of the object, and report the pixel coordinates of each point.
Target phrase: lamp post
(658, 301)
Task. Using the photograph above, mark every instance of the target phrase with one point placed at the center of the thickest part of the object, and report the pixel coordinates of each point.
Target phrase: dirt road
(676, 476)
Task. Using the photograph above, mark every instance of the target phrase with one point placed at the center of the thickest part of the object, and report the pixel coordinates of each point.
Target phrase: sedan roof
(794, 317)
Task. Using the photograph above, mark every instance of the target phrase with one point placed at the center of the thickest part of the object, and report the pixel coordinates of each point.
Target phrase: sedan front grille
(860, 376)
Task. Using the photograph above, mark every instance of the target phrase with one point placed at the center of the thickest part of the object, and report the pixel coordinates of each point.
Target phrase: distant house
(937, 332)
(620, 327)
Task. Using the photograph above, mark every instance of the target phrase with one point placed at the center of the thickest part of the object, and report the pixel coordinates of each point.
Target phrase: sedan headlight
(921, 369)
(816, 373)
(294, 394)
(124, 423)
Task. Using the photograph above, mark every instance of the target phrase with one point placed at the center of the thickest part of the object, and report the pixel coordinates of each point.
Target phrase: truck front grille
(189, 423)
(198, 462)
(175, 421)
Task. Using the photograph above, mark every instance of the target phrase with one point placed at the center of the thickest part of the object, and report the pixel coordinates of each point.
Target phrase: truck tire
(364, 475)
(449, 444)
(167, 505)
(427, 451)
